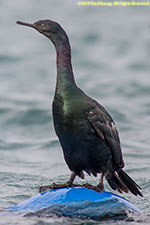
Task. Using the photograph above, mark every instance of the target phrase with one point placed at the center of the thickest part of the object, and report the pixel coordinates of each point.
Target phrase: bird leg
(71, 179)
(100, 186)
(69, 183)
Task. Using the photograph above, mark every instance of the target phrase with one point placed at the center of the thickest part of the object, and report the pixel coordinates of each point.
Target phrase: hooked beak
(26, 24)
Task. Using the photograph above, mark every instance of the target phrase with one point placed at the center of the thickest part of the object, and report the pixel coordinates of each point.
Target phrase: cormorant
(86, 131)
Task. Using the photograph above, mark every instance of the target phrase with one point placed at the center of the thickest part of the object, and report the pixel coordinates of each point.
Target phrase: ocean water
(111, 62)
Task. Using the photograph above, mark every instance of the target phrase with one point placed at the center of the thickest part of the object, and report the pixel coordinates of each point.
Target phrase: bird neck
(65, 77)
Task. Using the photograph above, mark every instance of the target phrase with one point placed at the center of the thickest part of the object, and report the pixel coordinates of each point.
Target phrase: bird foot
(53, 186)
(100, 188)
(67, 184)
(56, 186)
(97, 188)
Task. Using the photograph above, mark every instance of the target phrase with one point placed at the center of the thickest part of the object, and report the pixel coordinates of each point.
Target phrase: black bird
(86, 131)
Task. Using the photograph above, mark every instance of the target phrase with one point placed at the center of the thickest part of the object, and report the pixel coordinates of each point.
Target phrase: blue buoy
(75, 202)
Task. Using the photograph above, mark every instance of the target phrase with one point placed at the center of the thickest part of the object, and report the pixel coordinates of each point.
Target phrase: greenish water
(111, 61)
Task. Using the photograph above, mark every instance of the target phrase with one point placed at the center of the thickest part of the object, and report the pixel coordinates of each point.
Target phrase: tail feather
(111, 182)
(131, 185)
(115, 182)
(122, 182)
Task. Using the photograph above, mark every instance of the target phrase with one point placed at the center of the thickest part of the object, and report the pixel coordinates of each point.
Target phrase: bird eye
(42, 25)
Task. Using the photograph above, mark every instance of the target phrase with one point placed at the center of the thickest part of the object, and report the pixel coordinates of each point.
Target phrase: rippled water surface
(111, 61)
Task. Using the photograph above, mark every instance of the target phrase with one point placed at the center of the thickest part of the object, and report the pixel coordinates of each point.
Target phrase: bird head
(48, 28)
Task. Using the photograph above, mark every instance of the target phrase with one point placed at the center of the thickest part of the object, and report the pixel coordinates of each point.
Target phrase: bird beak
(27, 24)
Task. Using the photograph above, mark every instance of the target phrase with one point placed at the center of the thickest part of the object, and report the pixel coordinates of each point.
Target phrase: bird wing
(106, 129)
